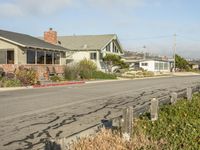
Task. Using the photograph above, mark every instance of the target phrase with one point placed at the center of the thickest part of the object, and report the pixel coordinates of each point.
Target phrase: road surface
(28, 117)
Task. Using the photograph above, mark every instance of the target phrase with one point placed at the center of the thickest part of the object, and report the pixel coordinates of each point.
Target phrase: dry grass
(106, 140)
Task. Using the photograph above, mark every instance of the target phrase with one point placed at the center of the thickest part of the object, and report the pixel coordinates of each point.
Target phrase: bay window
(42, 57)
(31, 57)
(49, 57)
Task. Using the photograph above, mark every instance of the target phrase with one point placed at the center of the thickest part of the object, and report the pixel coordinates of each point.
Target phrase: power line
(189, 38)
(147, 38)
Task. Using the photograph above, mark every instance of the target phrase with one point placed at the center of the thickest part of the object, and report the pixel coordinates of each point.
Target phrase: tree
(182, 63)
(114, 60)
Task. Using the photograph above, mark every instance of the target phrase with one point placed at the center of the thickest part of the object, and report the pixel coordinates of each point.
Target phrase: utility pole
(175, 52)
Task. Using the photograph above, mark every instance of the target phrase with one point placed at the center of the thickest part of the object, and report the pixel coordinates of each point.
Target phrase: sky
(138, 23)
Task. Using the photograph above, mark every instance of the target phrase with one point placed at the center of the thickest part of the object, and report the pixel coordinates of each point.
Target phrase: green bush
(86, 68)
(56, 78)
(71, 72)
(10, 83)
(26, 76)
(85, 65)
(102, 75)
(178, 125)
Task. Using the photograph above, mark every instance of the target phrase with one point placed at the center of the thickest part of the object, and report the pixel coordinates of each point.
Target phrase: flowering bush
(26, 76)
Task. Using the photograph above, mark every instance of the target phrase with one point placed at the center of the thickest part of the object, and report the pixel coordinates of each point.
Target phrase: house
(91, 47)
(155, 65)
(18, 49)
(195, 65)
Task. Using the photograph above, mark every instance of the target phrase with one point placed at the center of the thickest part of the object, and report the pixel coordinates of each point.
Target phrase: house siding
(151, 66)
(77, 56)
(19, 57)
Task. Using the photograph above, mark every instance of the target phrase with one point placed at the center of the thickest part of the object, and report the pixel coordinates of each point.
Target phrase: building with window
(92, 47)
(155, 65)
(20, 49)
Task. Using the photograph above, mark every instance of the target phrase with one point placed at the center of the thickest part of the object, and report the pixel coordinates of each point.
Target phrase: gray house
(20, 49)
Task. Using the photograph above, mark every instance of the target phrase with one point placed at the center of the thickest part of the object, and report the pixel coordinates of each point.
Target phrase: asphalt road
(28, 117)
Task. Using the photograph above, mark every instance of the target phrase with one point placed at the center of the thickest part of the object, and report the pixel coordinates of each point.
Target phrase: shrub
(71, 72)
(148, 74)
(26, 76)
(2, 73)
(85, 65)
(102, 75)
(178, 125)
(86, 68)
(56, 78)
(10, 82)
(10, 75)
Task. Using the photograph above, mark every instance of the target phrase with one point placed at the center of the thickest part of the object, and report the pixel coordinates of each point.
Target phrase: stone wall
(41, 69)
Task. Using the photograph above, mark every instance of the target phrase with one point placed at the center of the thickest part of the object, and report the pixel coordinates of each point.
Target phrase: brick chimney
(50, 36)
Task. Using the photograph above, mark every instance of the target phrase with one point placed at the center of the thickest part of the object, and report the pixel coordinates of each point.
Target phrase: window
(93, 56)
(49, 57)
(10, 57)
(161, 66)
(113, 45)
(144, 64)
(3, 56)
(166, 66)
(40, 57)
(156, 66)
(56, 58)
(30, 57)
(108, 48)
(7, 57)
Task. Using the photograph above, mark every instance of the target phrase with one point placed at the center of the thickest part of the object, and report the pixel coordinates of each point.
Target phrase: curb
(58, 84)
(41, 86)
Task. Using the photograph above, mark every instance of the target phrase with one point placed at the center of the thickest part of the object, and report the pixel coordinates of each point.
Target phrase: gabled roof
(86, 42)
(25, 40)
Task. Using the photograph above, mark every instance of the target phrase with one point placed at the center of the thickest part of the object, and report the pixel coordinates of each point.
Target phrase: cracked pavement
(29, 117)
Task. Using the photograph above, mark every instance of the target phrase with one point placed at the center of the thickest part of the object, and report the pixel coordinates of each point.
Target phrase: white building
(91, 47)
(155, 65)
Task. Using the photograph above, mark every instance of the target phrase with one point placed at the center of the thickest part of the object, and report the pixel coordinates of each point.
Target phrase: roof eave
(42, 48)
(13, 42)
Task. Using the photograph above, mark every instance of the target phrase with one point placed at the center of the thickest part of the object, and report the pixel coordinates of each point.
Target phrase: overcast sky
(138, 23)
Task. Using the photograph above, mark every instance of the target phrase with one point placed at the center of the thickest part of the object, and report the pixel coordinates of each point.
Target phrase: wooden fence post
(127, 124)
(189, 93)
(154, 109)
(174, 97)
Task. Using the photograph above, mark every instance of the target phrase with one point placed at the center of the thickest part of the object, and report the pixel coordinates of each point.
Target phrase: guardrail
(125, 121)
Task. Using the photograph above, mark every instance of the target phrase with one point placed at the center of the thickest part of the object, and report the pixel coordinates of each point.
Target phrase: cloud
(115, 4)
(16, 8)
(9, 10)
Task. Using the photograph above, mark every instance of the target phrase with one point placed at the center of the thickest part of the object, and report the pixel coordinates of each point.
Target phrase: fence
(125, 121)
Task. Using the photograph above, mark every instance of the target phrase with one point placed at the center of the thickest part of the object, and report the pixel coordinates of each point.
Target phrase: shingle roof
(83, 42)
(28, 41)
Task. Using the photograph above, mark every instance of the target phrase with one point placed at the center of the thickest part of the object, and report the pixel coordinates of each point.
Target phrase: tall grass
(106, 140)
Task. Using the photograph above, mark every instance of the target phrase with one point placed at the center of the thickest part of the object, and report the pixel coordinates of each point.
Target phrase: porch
(41, 69)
